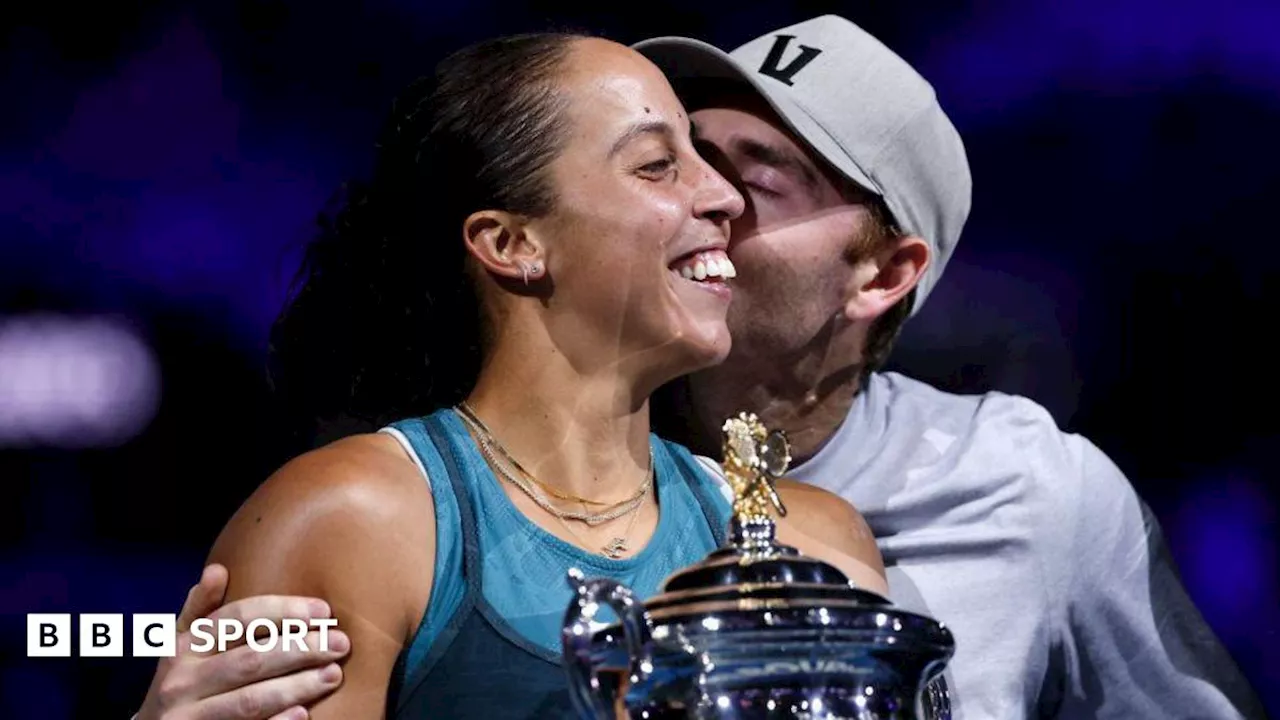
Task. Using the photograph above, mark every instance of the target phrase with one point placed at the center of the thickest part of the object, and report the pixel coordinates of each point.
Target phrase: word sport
(156, 634)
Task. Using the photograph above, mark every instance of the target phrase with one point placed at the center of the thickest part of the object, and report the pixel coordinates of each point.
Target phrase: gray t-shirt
(1032, 546)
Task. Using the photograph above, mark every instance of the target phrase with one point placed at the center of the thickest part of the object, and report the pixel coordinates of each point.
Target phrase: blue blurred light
(1223, 532)
(1009, 58)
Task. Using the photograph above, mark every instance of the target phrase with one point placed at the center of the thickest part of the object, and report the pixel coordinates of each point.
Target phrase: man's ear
(886, 277)
(502, 244)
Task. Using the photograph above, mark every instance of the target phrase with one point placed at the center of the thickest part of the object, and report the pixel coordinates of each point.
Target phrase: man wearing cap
(1029, 542)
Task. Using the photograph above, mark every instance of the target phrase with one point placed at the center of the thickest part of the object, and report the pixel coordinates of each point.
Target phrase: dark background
(161, 163)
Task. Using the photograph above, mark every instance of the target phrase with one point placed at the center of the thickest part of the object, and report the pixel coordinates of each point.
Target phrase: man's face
(794, 246)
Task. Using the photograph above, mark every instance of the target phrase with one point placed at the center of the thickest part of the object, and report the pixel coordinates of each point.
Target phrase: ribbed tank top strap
(452, 599)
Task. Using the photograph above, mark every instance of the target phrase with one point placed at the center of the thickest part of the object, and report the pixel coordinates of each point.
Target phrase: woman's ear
(501, 243)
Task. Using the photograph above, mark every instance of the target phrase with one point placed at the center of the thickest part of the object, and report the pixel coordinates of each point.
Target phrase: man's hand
(241, 684)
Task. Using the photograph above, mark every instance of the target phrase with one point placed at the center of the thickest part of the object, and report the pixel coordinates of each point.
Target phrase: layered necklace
(513, 472)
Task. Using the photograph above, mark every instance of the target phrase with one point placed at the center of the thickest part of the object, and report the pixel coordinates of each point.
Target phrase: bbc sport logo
(155, 635)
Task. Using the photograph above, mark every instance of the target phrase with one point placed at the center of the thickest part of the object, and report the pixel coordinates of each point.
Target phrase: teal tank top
(489, 643)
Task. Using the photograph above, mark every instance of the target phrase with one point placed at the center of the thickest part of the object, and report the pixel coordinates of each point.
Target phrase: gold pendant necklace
(618, 546)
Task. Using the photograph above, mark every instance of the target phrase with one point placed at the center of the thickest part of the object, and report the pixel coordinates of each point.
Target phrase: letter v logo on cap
(772, 65)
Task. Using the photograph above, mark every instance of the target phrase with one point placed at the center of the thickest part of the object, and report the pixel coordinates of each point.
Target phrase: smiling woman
(539, 249)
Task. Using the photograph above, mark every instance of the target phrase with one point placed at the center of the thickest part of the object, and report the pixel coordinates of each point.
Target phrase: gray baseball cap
(858, 105)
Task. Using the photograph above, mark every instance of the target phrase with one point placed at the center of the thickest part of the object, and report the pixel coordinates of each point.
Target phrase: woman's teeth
(713, 264)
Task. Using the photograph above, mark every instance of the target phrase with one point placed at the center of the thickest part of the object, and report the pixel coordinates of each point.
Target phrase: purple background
(161, 163)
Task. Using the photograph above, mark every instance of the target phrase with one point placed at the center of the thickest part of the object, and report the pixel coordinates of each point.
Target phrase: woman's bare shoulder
(316, 524)
(826, 525)
(823, 508)
(369, 474)
(358, 479)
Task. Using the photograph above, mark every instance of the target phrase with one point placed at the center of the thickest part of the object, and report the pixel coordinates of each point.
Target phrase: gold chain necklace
(617, 545)
(468, 413)
(541, 500)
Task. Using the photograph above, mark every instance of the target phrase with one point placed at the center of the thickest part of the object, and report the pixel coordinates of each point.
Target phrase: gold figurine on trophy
(753, 458)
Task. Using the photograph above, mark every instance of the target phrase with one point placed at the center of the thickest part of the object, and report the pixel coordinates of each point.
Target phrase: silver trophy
(756, 630)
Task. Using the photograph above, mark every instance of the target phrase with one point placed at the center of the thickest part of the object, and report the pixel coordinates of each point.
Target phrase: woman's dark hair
(385, 322)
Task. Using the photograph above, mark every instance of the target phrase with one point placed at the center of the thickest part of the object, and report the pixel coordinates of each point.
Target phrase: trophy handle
(584, 683)
(936, 699)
